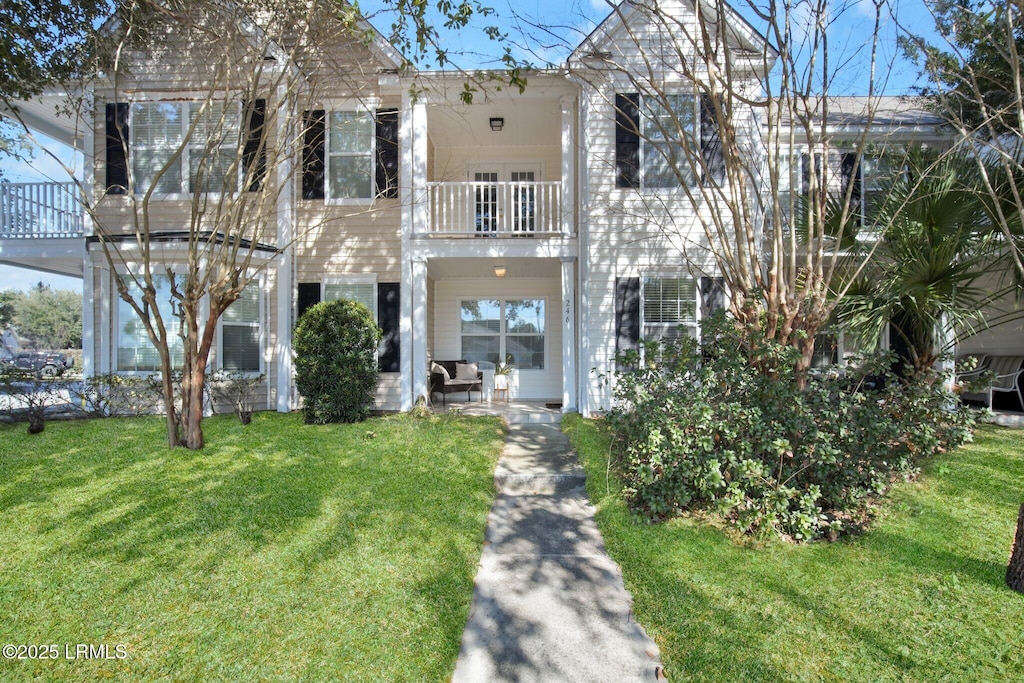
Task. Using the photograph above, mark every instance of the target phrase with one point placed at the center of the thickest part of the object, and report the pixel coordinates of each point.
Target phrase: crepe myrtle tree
(752, 150)
(256, 71)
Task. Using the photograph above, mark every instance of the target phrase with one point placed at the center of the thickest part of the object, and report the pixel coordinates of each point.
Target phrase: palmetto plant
(937, 244)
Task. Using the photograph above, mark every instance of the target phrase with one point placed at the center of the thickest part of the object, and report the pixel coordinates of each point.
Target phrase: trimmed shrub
(335, 361)
(731, 432)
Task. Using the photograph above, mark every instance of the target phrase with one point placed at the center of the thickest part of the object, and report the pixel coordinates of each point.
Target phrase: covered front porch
(499, 312)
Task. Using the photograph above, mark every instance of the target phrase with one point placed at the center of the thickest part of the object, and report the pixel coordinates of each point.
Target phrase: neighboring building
(528, 225)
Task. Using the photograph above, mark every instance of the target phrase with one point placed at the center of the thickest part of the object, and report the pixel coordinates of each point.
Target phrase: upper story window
(184, 147)
(350, 146)
(665, 141)
(666, 122)
(869, 176)
(350, 155)
(208, 140)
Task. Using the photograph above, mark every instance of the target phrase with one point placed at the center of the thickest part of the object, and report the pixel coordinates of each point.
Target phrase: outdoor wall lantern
(497, 123)
(499, 271)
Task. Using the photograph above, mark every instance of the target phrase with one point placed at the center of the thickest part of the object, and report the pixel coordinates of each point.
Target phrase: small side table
(501, 387)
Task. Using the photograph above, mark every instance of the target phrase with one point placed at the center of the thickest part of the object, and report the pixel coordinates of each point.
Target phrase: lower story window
(510, 330)
(240, 332)
(669, 307)
(135, 352)
(359, 289)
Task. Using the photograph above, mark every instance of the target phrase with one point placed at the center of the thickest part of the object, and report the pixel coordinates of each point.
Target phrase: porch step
(538, 459)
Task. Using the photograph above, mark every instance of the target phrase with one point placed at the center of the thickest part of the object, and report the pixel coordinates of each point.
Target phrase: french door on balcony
(505, 198)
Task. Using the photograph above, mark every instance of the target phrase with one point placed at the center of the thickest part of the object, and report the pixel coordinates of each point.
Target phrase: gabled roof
(613, 28)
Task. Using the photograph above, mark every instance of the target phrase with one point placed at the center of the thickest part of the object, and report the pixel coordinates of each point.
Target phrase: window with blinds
(240, 332)
(669, 307)
(135, 352)
(360, 291)
(350, 149)
(209, 162)
(666, 122)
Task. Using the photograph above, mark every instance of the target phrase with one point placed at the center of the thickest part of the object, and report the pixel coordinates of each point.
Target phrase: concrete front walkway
(549, 604)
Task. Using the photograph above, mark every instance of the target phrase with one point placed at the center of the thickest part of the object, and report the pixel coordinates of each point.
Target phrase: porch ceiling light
(499, 270)
(497, 123)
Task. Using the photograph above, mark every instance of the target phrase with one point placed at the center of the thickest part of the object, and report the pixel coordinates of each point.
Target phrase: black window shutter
(627, 314)
(851, 174)
(254, 155)
(117, 147)
(388, 316)
(387, 153)
(711, 143)
(627, 140)
(712, 295)
(308, 295)
(314, 154)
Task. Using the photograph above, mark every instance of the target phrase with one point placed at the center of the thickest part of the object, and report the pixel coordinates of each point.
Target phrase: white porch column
(568, 165)
(106, 319)
(88, 317)
(568, 315)
(419, 323)
(945, 340)
(285, 269)
(89, 327)
(415, 217)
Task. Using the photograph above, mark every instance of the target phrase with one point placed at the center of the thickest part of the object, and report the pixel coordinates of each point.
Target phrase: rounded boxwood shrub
(335, 361)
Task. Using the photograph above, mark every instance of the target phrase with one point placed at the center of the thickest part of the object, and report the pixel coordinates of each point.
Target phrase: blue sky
(543, 31)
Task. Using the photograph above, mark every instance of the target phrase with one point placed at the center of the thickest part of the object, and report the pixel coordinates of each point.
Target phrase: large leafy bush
(732, 432)
(335, 363)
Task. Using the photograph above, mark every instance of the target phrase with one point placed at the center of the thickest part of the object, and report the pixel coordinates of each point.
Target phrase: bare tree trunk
(167, 380)
(1015, 570)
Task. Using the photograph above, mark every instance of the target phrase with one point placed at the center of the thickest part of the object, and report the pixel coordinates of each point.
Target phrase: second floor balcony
(492, 208)
(40, 210)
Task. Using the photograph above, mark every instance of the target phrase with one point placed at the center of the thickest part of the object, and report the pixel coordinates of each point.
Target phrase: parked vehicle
(42, 363)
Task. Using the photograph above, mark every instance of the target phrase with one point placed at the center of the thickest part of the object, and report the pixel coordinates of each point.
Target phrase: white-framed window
(498, 330)
(668, 307)
(666, 121)
(210, 157)
(350, 155)
(241, 349)
(359, 288)
(135, 352)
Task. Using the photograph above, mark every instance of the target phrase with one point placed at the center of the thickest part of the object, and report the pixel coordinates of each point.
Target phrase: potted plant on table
(502, 371)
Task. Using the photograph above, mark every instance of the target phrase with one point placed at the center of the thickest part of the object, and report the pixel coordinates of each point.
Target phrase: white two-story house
(540, 227)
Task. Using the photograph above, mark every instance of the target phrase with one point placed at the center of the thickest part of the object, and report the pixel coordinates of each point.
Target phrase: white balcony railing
(38, 210)
(496, 208)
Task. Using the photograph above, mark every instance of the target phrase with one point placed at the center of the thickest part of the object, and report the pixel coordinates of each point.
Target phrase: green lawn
(281, 551)
(920, 597)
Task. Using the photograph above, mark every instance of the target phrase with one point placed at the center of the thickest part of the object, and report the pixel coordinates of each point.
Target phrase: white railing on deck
(40, 210)
(496, 208)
